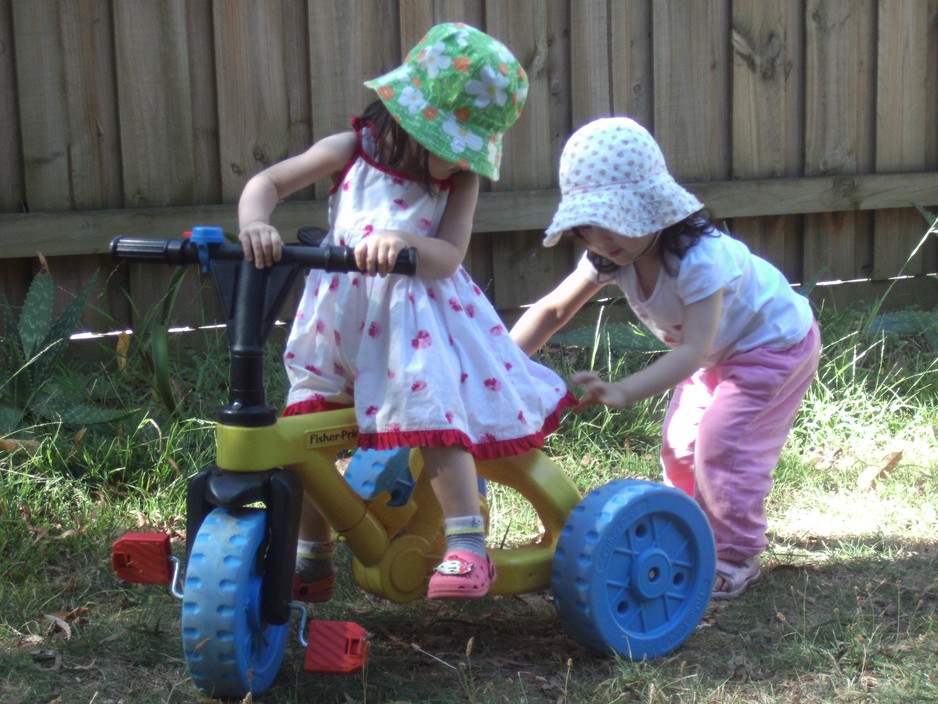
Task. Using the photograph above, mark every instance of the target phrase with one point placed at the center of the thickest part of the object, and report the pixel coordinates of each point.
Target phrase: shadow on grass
(833, 619)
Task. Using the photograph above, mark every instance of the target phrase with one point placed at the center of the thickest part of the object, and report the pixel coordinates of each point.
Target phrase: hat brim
(461, 143)
(623, 210)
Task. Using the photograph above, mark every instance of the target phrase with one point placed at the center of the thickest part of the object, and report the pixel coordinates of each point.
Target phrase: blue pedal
(371, 472)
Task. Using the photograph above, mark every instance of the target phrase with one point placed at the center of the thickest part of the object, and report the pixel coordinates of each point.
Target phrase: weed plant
(846, 611)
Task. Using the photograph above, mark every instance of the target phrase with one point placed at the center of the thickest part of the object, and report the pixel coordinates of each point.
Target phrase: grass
(846, 610)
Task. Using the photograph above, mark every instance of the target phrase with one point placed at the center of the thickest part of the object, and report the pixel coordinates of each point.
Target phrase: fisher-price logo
(330, 436)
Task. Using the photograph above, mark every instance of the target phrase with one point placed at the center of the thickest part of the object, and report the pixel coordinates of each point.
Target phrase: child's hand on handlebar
(262, 244)
(377, 253)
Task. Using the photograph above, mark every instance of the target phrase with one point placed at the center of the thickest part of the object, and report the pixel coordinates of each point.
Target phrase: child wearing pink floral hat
(744, 345)
(425, 361)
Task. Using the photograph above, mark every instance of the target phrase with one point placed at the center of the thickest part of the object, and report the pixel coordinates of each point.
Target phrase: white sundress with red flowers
(425, 362)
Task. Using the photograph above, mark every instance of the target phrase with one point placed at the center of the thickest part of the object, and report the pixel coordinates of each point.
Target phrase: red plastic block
(338, 647)
(143, 558)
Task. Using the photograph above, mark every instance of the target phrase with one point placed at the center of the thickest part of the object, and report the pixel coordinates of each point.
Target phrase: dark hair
(674, 242)
(389, 130)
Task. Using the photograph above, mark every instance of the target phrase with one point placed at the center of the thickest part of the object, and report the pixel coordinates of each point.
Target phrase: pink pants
(723, 434)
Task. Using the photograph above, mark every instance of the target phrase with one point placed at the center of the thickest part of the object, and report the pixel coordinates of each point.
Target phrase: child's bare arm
(261, 194)
(699, 331)
(552, 312)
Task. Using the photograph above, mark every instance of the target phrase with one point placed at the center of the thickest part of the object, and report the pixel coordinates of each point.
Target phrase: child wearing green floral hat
(425, 361)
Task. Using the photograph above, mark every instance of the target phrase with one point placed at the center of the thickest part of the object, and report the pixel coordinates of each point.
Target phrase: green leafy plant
(153, 329)
(34, 385)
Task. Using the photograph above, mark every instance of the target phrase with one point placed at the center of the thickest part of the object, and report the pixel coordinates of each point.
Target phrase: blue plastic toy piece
(203, 236)
(634, 568)
(229, 649)
(370, 472)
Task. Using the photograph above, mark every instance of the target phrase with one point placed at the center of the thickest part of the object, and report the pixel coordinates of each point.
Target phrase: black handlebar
(183, 251)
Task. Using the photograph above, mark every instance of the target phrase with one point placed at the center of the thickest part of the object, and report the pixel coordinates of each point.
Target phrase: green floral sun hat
(457, 93)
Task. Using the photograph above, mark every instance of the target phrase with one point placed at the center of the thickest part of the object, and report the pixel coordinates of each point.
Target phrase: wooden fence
(808, 126)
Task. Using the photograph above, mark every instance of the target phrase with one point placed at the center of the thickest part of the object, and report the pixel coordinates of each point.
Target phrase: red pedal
(143, 558)
(337, 647)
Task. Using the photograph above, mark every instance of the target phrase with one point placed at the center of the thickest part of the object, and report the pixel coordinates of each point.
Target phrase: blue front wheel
(634, 568)
(230, 649)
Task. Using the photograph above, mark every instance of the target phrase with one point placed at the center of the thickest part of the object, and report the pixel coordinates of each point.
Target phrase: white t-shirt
(760, 309)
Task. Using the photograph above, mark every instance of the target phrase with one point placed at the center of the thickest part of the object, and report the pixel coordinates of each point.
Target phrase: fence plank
(368, 46)
(69, 115)
(590, 91)
(900, 127)
(532, 269)
(252, 93)
(559, 88)
(91, 104)
(12, 193)
(156, 108)
(154, 99)
(839, 87)
(692, 115)
(15, 276)
(204, 91)
(631, 60)
(524, 28)
(40, 76)
(767, 133)
(297, 71)
(767, 70)
(930, 252)
(264, 101)
(931, 89)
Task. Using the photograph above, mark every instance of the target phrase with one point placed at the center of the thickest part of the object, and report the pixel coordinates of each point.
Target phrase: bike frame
(263, 458)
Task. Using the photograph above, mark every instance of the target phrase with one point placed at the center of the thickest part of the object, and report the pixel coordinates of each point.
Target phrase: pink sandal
(461, 575)
(737, 576)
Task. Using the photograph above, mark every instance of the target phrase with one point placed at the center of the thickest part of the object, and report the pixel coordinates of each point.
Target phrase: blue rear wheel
(229, 648)
(634, 569)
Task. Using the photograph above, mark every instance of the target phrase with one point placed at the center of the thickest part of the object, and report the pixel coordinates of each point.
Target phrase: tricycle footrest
(338, 647)
(143, 558)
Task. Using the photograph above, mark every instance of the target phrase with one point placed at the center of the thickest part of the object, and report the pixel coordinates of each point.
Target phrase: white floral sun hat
(613, 175)
(457, 93)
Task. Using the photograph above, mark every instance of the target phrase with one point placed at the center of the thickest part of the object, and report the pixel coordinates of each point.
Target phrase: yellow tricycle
(631, 565)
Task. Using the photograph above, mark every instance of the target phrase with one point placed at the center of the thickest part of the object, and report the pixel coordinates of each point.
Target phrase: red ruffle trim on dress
(301, 408)
(443, 438)
(455, 438)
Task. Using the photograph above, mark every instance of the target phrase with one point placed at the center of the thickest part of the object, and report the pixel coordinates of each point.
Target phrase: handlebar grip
(343, 259)
(163, 251)
(406, 262)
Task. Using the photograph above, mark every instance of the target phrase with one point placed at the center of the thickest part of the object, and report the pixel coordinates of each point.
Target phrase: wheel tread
(603, 598)
(225, 653)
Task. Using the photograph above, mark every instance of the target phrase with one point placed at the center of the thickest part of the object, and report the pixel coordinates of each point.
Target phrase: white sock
(465, 533)
(314, 559)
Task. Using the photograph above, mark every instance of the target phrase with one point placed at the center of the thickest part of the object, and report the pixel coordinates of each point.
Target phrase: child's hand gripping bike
(631, 565)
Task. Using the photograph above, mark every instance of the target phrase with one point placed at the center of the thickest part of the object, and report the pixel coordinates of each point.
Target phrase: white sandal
(737, 576)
